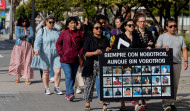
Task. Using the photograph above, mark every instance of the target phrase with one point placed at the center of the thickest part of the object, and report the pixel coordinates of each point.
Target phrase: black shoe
(173, 108)
(167, 108)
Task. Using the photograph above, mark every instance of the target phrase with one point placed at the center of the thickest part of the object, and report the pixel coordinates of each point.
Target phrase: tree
(165, 8)
(15, 4)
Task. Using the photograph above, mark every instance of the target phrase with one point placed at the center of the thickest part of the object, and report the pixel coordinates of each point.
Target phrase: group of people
(54, 50)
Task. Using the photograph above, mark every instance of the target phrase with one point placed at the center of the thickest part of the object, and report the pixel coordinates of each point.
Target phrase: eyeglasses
(51, 22)
(98, 28)
(130, 25)
(142, 21)
(172, 26)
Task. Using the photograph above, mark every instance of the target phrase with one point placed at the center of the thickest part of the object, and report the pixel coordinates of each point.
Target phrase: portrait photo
(136, 80)
(156, 70)
(156, 91)
(117, 70)
(107, 71)
(146, 91)
(165, 69)
(146, 80)
(137, 91)
(117, 92)
(126, 70)
(166, 91)
(127, 92)
(117, 81)
(165, 80)
(156, 80)
(146, 70)
(136, 70)
(127, 81)
(107, 81)
(107, 92)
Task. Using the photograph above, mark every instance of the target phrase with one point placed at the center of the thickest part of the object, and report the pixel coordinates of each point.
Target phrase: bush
(187, 40)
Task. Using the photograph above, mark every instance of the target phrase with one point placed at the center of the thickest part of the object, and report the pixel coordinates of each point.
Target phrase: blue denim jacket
(21, 34)
(107, 33)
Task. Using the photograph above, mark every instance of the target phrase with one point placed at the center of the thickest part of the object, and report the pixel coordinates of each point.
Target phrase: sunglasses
(51, 22)
(130, 25)
(24, 21)
(98, 28)
(172, 26)
(142, 21)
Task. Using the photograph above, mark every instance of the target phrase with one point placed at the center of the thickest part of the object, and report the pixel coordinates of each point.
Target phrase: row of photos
(136, 81)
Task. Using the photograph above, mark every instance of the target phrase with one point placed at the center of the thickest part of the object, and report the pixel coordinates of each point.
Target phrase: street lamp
(11, 21)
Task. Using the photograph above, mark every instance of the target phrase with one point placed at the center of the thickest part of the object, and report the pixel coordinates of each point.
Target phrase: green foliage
(187, 40)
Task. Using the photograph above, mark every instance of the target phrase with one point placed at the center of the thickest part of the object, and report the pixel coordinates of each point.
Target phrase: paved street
(22, 97)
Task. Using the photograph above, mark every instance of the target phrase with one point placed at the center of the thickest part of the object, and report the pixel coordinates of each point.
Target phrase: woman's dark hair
(21, 19)
(124, 24)
(92, 26)
(78, 20)
(120, 18)
(69, 20)
(100, 16)
(49, 17)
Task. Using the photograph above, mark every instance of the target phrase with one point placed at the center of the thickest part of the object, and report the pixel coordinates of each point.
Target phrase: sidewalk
(6, 37)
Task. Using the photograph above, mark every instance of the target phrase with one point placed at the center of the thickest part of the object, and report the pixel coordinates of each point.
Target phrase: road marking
(1, 56)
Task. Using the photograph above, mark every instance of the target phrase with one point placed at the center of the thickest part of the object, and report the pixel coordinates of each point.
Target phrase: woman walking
(69, 47)
(22, 53)
(92, 48)
(46, 57)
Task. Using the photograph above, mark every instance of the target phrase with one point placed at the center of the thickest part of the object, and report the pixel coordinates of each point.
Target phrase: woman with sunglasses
(92, 48)
(128, 39)
(22, 53)
(69, 47)
(46, 57)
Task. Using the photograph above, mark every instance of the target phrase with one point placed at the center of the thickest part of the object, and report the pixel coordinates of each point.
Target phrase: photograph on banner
(136, 80)
(136, 70)
(146, 80)
(117, 81)
(127, 81)
(107, 81)
(107, 71)
(126, 71)
(156, 70)
(165, 69)
(137, 92)
(146, 70)
(156, 80)
(107, 92)
(166, 91)
(165, 80)
(156, 91)
(127, 92)
(117, 71)
(117, 92)
(146, 91)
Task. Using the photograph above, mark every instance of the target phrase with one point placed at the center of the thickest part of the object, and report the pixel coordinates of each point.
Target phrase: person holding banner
(171, 39)
(92, 48)
(128, 39)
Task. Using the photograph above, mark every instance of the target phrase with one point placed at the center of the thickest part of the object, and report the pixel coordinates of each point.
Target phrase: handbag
(81, 58)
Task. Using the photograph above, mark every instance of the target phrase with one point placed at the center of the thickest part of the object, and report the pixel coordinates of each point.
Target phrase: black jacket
(91, 44)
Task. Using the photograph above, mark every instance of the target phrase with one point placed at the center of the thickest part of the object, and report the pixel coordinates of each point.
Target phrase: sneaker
(47, 91)
(51, 80)
(57, 91)
(167, 108)
(78, 90)
(70, 97)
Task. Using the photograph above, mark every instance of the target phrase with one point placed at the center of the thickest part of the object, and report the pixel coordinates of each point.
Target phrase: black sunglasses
(130, 25)
(24, 21)
(51, 22)
(172, 26)
(98, 28)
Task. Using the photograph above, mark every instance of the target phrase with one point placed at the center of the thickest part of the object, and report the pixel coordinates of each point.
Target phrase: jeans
(97, 83)
(51, 73)
(70, 70)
